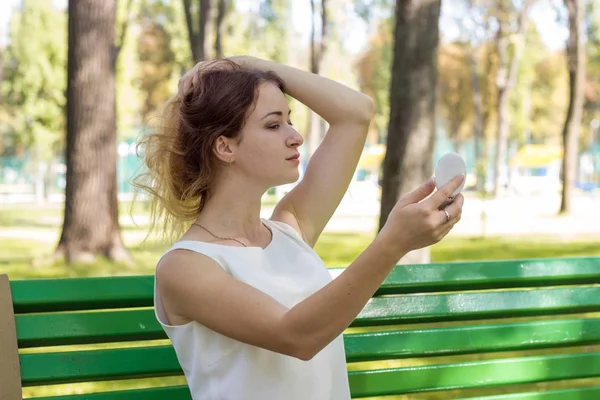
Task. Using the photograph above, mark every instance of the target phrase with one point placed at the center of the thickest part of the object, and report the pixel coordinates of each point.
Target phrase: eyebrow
(276, 113)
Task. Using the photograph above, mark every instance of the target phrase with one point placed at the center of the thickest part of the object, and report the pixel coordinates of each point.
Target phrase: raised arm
(192, 285)
(310, 205)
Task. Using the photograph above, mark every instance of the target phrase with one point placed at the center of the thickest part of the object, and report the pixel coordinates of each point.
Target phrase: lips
(294, 157)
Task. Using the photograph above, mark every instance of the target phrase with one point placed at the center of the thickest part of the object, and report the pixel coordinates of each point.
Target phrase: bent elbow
(305, 354)
(298, 349)
(367, 110)
(298, 346)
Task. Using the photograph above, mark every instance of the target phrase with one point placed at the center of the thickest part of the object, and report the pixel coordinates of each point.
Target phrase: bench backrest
(460, 311)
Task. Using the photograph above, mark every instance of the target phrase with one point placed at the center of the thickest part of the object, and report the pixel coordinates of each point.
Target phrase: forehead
(270, 98)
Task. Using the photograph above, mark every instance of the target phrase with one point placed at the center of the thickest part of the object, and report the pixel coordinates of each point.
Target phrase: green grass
(17, 256)
(501, 248)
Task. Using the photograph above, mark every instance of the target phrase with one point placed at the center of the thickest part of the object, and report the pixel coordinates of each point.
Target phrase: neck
(233, 209)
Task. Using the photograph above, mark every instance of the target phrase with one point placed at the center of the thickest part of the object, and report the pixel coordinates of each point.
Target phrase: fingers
(184, 84)
(454, 210)
(418, 194)
(444, 192)
(188, 80)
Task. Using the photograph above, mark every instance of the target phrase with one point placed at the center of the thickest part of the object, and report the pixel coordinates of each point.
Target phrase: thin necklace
(218, 237)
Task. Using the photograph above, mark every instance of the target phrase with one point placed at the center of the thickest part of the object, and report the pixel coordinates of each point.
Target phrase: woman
(250, 308)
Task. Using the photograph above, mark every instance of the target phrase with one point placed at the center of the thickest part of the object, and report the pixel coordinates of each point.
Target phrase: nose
(295, 139)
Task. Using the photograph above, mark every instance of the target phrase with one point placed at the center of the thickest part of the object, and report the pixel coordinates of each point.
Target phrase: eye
(290, 123)
(274, 127)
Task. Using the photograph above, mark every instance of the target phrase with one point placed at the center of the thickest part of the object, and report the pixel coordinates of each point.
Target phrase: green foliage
(262, 33)
(374, 68)
(156, 56)
(539, 99)
(592, 94)
(455, 98)
(34, 84)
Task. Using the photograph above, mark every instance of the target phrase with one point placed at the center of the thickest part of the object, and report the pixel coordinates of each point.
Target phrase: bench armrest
(10, 371)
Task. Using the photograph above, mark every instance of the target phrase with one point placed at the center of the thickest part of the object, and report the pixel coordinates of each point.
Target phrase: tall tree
(411, 131)
(155, 54)
(570, 134)
(222, 8)
(373, 69)
(318, 45)
(473, 28)
(456, 92)
(91, 217)
(197, 16)
(506, 72)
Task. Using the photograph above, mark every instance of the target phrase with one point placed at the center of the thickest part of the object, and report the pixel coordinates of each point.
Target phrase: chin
(288, 179)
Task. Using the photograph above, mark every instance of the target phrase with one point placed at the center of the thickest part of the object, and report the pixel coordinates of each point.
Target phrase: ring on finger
(447, 215)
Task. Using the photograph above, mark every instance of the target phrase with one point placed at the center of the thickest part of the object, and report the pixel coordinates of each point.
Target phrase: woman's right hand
(413, 223)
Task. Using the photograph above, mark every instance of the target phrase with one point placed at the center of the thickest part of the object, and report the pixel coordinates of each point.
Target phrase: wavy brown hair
(178, 155)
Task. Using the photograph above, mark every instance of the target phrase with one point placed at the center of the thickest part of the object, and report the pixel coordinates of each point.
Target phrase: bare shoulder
(182, 262)
(179, 274)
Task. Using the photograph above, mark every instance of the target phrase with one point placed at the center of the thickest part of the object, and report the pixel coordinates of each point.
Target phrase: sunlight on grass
(501, 248)
(336, 250)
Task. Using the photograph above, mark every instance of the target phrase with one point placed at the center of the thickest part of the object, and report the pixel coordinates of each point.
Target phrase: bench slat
(474, 374)
(53, 368)
(438, 277)
(126, 363)
(159, 393)
(483, 305)
(592, 393)
(84, 328)
(470, 339)
(110, 326)
(182, 393)
(66, 294)
(98, 365)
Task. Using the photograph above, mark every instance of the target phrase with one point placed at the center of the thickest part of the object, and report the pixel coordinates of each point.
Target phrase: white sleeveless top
(219, 368)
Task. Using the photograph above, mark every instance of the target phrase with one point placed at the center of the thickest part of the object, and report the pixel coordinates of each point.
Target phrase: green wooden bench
(445, 326)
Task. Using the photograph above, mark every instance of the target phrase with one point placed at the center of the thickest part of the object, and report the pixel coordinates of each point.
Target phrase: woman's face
(269, 147)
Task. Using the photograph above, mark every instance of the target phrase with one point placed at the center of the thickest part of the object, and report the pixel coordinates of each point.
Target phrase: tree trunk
(505, 80)
(221, 10)
(478, 120)
(197, 32)
(315, 126)
(411, 130)
(576, 64)
(91, 218)
(502, 125)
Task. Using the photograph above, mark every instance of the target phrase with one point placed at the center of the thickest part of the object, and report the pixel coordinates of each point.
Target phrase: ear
(224, 149)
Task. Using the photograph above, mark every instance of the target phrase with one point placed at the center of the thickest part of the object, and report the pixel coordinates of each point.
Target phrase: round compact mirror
(449, 166)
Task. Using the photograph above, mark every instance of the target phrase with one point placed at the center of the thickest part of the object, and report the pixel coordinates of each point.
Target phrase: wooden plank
(125, 325)
(590, 393)
(478, 305)
(65, 367)
(65, 294)
(474, 374)
(89, 327)
(99, 365)
(158, 393)
(10, 375)
(69, 294)
(471, 339)
(457, 276)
